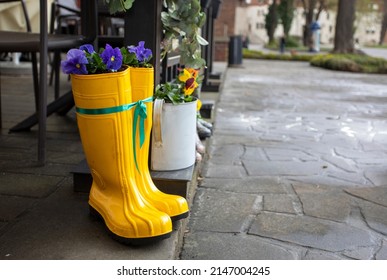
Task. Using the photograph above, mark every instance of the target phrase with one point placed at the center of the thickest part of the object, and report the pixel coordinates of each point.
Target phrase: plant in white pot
(174, 123)
(175, 139)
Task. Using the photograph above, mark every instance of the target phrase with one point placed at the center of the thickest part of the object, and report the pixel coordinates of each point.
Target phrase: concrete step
(171, 182)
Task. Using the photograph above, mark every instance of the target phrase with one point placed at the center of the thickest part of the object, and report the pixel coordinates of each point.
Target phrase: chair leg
(1, 121)
(42, 104)
(42, 110)
(56, 65)
(51, 73)
(40, 90)
(35, 76)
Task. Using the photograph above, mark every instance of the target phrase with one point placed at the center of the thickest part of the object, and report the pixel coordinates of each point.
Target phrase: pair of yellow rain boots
(114, 115)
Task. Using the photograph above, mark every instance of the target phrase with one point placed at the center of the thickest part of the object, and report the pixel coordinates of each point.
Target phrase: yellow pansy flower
(189, 81)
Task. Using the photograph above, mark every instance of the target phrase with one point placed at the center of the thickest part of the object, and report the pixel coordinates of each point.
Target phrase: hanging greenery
(183, 20)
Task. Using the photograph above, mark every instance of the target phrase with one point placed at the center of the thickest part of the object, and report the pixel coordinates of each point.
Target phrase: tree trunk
(345, 27)
(384, 23)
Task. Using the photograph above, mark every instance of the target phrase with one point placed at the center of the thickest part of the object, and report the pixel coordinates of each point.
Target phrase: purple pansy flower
(87, 48)
(75, 62)
(142, 54)
(112, 58)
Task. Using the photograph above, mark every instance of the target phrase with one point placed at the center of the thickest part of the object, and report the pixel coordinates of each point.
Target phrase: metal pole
(42, 107)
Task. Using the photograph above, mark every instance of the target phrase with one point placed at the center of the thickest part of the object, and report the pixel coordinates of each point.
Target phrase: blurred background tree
(344, 31)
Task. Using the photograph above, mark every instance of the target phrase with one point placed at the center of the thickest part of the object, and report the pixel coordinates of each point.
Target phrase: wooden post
(208, 35)
(208, 53)
(143, 23)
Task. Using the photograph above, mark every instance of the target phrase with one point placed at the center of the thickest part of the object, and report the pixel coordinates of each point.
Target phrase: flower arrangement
(86, 60)
(181, 90)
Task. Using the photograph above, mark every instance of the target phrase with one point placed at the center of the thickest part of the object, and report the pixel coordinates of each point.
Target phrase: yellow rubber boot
(108, 147)
(175, 206)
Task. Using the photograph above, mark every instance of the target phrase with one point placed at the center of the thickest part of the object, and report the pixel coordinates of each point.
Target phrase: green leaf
(201, 40)
(188, 98)
(128, 4)
(128, 58)
(119, 5)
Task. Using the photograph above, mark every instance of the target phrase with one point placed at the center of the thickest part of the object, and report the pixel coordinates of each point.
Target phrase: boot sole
(179, 217)
(95, 215)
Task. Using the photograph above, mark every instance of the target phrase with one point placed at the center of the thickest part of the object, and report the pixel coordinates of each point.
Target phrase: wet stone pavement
(296, 167)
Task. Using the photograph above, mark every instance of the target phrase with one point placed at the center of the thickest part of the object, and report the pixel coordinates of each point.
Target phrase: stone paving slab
(279, 203)
(382, 253)
(276, 154)
(28, 185)
(321, 255)
(377, 195)
(357, 178)
(257, 185)
(377, 174)
(290, 168)
(227, 154)
(223, 171)
(324, 180)
(229, 246)
(324, 202)
(375, 216)
(12, 207)
(233, 138)
(254, 153)
(236, 210)
(310, 232)
(365, 253)
(344, 164)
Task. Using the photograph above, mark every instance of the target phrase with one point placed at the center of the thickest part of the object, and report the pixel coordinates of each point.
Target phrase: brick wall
(224, 28)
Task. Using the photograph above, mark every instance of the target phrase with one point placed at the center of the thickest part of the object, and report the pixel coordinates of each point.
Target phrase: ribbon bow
(140, 114)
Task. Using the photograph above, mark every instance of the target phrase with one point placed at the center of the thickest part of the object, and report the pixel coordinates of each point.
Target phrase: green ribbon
(140, 115)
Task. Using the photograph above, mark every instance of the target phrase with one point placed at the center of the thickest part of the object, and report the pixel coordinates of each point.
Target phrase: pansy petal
(112, 58)
(75, 62)
(87, 48)
(184, 76)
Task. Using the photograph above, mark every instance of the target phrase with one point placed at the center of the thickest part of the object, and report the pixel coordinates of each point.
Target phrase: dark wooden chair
(109, 26)
(33, 55)
(44, 43)
(64, 20)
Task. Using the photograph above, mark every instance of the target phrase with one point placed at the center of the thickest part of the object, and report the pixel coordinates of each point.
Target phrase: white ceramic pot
(173, 135)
